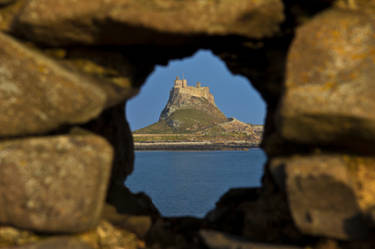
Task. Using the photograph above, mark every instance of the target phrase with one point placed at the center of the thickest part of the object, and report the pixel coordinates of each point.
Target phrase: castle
(181, 87)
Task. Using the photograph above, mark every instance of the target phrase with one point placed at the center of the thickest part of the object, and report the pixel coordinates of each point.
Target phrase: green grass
(156, 128)
(191, 120)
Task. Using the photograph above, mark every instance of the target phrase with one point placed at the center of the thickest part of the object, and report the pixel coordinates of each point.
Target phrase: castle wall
(181, 87)
(180, 83)
(197, 92)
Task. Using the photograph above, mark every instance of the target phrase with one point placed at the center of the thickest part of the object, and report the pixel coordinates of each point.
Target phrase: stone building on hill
(183, 97)
(181, 87)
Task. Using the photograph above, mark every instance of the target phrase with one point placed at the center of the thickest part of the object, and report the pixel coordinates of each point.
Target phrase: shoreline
(193, 146)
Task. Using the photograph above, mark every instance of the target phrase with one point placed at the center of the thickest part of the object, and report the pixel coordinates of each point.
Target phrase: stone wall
(201, 92)
(67, 67)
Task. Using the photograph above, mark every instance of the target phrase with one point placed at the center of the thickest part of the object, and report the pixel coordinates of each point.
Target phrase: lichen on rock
(38, 95)
(68, 22)
(54, 184)
(329, 85)
(329, 194)
(320, 128)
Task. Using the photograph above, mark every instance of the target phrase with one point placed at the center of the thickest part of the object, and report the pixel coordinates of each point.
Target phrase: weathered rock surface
(329, 195)
(56, 243)
(54, 184)
(219, 240)
(118, 73)
(329, 85)
(104, 236)
(5, 2)
(130, 21)
(234, 126)
(8, 14)
(37, 95)
(10, 236)
(107, 236)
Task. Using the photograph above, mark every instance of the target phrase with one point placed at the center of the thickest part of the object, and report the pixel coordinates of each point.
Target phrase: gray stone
(329, 82)
(37, 95)
(142, 22)
(330, 195)
(54, 184)
(219, 240)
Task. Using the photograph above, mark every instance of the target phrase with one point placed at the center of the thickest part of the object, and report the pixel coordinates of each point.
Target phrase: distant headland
(192, 121)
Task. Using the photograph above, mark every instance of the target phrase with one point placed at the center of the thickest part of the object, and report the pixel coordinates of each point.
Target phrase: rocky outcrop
(235, 125)
(190, 98)
(189, 109)
(193, 110)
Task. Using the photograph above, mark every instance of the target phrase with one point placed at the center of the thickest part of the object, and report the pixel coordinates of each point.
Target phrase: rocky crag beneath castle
(193, 102)
(184, 97)
(67, 67)
(191, 110)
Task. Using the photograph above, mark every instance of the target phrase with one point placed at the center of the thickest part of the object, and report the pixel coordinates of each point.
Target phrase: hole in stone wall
(189, 182)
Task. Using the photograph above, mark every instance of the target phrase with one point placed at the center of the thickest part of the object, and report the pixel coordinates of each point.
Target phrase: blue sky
(233, 94)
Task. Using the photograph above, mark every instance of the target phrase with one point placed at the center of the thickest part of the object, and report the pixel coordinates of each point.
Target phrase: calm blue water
(189, 183)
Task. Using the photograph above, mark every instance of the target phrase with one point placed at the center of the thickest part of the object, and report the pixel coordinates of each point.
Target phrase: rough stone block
(37, 95)
(329, 83)
(104, 236)
(157, 21)
(330, 195)
(56, 243)
(54, 184)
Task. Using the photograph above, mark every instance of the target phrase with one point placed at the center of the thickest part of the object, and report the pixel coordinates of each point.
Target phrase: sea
(188, 183)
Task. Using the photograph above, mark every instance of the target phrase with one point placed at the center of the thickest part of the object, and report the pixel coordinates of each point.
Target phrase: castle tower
(178, 82)
(198, 85)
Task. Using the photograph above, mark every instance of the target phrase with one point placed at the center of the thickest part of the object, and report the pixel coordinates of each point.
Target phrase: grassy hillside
(183, 121)
(160, 127)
